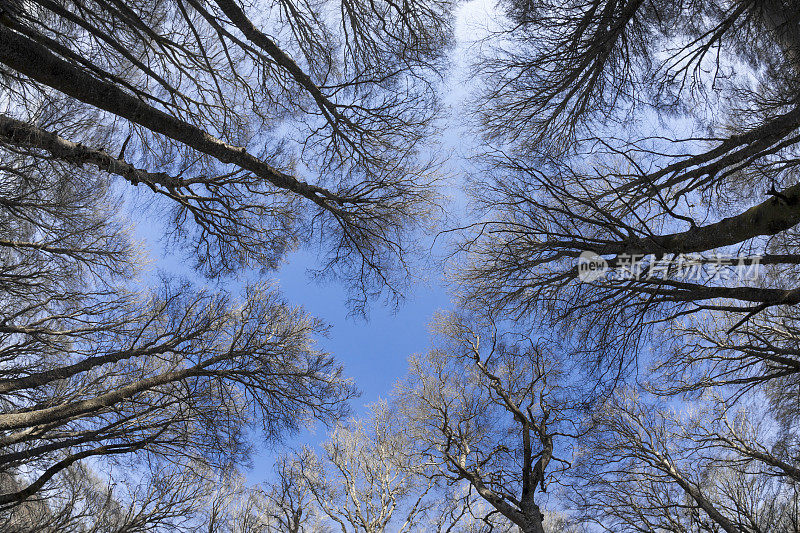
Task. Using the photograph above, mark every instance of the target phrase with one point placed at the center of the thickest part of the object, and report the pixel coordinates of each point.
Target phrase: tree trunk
(534, 521)
(533, 527)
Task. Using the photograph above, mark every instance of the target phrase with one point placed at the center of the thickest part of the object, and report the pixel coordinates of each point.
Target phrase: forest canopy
(622, 348)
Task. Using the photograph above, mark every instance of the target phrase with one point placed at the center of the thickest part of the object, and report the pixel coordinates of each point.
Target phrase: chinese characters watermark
(689, 267)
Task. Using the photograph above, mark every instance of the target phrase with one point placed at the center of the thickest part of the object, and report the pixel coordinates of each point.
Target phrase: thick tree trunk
(535, 522)
(40, 64)
(770, 217)
(19, 133)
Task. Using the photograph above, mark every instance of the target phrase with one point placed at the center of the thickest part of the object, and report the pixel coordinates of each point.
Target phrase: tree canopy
(623, 348)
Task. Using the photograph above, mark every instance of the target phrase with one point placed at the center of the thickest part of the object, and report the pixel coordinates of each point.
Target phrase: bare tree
(230, 104)
(366, 480)
(493, 410)
(651, 468)
(291, 504)
(217, 108)
(93, 368)
(661, 140)
(79, 500)
(184, 378)
(640, 132)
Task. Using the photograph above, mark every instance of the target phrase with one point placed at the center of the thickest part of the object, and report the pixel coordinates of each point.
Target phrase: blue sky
(373, 351)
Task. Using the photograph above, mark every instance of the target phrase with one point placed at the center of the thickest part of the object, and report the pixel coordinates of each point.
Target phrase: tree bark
(39, 64)
(770, 217)
(19, 133)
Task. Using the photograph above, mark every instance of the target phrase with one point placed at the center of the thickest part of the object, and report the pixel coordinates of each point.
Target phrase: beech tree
(492, 410)
(637, 131)
(651, 468)
(656, 139)
(365, 480)
(261, 125)
(161, 498)
(94, 367)
(664, 135)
